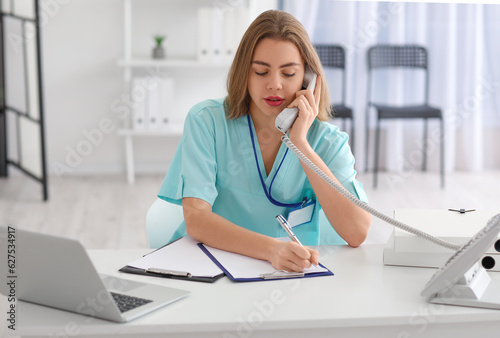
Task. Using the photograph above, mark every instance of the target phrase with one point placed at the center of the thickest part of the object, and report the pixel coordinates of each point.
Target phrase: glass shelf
(173, 131)
(185, 62)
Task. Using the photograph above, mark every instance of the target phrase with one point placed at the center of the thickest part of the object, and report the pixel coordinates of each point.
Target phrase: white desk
(364, 298)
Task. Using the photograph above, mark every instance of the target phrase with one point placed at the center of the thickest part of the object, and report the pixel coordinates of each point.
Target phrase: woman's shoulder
(322, 131)
(329, 142)
(207, 115)
(209, 112)
(210, 107)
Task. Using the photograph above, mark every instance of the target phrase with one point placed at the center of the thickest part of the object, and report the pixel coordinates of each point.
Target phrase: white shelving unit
(130, 63)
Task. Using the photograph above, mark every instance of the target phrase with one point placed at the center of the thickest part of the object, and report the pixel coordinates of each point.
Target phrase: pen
(169, 272)
(286, 226)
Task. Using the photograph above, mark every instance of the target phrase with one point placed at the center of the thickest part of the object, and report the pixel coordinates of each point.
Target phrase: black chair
(333, 56)
(391, 57)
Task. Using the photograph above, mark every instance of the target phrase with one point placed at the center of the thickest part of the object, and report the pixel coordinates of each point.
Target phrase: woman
(233, 175)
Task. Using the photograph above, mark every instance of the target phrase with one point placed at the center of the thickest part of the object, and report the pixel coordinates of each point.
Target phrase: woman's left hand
(307, 102)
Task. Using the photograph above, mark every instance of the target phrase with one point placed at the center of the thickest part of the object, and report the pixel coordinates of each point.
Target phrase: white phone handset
(287, 117)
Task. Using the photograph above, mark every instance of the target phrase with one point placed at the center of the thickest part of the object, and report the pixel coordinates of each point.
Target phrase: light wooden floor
(106, 212)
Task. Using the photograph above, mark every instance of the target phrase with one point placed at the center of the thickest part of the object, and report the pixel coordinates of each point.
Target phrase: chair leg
(424, 149)
(377, 143)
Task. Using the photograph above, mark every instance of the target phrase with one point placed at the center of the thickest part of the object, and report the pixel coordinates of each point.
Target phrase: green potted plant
(158, 50)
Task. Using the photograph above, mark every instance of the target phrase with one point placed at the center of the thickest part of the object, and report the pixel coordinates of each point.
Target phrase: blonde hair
(277, 25)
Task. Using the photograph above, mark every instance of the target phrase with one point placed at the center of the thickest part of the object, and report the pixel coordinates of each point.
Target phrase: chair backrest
(333, 56)
(410, 56)
(398, 56)
(162, 220)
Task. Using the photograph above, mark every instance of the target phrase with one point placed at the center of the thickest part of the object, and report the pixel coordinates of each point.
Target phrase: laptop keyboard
(126, 302)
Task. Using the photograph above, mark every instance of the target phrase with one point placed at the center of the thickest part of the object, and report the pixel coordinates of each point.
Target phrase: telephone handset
(287, 117)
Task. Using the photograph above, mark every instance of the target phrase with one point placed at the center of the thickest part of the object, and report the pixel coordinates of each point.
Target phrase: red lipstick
(274, 101)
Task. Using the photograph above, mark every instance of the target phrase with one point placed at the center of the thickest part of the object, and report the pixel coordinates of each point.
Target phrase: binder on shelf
(242, 268)
(153, 101)
(230, 34)
(139, 119)
(216, 36)
(166, 114)
(220, 31)
(404, 249)
(180, 259)
(204, 36)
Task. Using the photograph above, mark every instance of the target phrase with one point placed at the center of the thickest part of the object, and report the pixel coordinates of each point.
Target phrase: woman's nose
(274, 82)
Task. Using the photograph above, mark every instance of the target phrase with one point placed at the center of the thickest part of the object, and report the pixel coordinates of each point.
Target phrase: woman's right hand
(290, 256)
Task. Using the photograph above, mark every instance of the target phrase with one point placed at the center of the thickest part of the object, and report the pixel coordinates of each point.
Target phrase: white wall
(82, 41)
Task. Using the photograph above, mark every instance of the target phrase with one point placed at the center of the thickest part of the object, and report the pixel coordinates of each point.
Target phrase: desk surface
(363, 298)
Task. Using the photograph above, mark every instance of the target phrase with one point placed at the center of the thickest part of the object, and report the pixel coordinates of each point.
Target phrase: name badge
(302, 214)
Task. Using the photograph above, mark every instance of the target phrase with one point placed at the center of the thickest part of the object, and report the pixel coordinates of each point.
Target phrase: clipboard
(256, 270)
(170, 274)
(195, 268)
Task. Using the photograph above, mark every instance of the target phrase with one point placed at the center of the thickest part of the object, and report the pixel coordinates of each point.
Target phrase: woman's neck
(269, 139)
(265, 124)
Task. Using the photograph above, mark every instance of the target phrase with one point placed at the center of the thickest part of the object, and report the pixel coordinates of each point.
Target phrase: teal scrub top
(215, 162)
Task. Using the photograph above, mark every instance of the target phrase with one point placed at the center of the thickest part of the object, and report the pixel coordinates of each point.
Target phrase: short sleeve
(192, 172)
(335, 151)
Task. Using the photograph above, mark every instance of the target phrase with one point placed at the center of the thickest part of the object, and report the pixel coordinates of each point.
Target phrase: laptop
(57, 272)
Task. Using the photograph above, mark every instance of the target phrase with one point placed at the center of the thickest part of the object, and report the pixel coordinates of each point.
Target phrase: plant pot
(158, 52)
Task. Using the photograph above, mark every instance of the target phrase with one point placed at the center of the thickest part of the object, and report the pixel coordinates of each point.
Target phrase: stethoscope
(268, 193)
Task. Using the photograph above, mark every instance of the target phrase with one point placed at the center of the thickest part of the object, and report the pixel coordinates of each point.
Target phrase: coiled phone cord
(363, 205)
